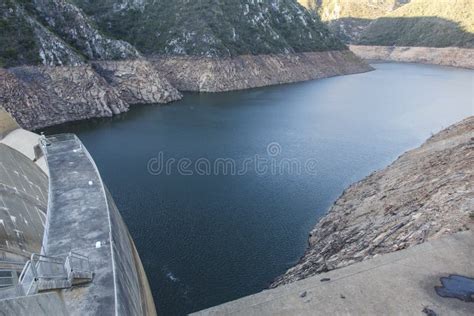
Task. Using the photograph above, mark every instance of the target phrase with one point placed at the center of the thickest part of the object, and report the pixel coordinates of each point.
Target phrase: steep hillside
(364, 9)
(348, 18)
(53, 32)
(128, 49)
(17, 39)
(212, 27)
(427, 23)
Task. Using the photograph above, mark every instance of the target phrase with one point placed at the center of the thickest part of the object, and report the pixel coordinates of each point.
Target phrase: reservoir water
(210, 235)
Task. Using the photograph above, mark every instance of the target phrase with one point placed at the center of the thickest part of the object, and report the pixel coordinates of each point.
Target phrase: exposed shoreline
(41, 96)
(204, 74)
(447, 56)
(425, 194)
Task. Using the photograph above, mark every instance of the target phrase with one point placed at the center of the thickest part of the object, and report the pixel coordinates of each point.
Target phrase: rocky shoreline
(425, 194)
(204, 74)
(447, 56)
(40, 96)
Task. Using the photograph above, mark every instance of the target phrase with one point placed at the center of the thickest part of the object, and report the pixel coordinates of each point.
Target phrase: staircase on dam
(43, 273)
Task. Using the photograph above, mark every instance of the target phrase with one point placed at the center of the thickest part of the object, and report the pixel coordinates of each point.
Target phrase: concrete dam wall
(67, 222)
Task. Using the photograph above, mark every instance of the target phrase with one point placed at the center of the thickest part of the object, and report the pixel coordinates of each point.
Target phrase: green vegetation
(70, 30)
(17, 42)
(213, 27)
(363, 9)
(425, 23)
(431, 23)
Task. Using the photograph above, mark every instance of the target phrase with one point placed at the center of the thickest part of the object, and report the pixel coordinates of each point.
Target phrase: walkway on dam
(399, 283)
(83, 218)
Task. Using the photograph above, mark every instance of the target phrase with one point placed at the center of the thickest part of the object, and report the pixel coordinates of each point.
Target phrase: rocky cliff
(426, 193)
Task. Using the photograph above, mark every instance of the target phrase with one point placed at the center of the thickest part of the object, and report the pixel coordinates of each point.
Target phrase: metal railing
(8, 278)
(76, 263)
(45, 268)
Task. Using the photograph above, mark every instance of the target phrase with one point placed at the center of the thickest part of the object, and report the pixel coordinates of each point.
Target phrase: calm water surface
(205, 240)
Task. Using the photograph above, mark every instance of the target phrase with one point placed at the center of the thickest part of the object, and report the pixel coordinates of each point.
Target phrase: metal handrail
(25, 269)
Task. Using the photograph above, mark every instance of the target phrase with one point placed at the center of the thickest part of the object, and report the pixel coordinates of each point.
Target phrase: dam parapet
(81, 254)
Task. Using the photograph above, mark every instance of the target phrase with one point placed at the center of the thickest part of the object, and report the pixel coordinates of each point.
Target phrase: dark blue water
(208, 239)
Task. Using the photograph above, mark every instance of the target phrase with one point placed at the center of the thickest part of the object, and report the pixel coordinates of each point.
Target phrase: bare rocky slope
(39, 96)
(137, 81)
(42, 96)
(249, 71)
(426, 193)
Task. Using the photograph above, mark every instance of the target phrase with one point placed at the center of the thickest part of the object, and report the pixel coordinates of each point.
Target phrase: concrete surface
(23, 204)
(24, 142)
(82, 217)
(399, 283)
(11, 134)
(46, 304)
(7, 123)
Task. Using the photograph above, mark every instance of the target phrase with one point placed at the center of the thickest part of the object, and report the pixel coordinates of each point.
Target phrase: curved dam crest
(223, 237)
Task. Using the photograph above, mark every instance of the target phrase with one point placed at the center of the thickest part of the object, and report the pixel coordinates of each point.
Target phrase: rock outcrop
(425, 194)
(137, 81)
(41, 96)
(189, 73)
(448, 56)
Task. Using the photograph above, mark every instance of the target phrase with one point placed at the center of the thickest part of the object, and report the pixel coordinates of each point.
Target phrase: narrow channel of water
(214, 236)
